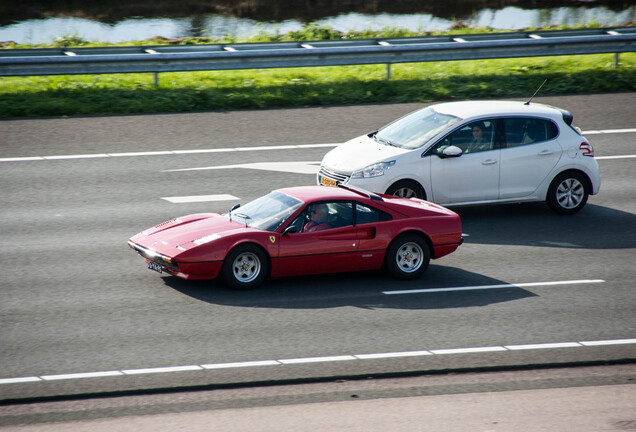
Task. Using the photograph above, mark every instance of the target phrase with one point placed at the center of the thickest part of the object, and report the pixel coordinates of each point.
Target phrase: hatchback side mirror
(450, 152)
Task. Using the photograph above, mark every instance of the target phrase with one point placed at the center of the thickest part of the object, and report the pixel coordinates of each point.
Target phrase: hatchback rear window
(522, 131)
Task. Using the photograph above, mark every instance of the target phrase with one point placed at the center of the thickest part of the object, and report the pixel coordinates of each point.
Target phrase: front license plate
(154, 266)
(327, 181)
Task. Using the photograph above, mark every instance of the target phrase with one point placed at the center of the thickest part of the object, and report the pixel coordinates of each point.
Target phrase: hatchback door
(470, 177)
(531, 152)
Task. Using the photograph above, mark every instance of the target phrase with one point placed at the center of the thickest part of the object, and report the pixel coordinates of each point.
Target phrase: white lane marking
(233, 149)
(392, 355)
(608, 131)
(543, 346)
(468, 350)
(167, 152)
(20, 380)
(81, 375)
(161, 370)
(608, 342)
(292, 167)
(199, 198)
(241, 364)
(487, 287)
(317, 359)
(615, 157)
(361, 357)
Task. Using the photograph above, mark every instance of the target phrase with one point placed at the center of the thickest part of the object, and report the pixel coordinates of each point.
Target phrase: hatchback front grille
(338, 178)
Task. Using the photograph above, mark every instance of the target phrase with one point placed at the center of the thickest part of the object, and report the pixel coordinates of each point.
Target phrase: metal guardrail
(173, 58)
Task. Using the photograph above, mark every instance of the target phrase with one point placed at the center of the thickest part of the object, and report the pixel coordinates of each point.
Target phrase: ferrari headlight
(374, 170)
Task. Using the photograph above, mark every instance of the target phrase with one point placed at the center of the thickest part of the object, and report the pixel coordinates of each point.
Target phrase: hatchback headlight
(374, 170)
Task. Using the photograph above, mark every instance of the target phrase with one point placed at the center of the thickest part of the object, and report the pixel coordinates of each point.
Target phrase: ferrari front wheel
(407, 257)
(245, 267)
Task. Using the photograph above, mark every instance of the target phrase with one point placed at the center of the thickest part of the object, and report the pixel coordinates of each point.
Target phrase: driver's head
(318, 212)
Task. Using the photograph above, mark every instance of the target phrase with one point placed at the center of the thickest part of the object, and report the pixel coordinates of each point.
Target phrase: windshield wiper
(383, 141)
(244, 216)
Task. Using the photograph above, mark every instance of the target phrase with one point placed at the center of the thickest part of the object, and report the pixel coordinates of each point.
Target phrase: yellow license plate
(327, 181)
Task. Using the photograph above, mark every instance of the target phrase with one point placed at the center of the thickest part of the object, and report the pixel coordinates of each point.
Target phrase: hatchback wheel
(406, 189)
(245, 267)
(407, 257)
(568, 193)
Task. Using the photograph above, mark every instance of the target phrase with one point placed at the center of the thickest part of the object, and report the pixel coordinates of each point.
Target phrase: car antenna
(535, 93)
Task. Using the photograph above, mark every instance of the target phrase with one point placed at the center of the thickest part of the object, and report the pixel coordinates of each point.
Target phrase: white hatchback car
(476, 152)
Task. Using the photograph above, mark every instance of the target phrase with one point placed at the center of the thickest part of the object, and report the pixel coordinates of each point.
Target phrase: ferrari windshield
(267, 212)
(416, 129)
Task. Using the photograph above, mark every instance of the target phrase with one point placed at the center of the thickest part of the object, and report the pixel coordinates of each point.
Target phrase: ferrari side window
(365, 214)
(327, 215)
(340, 214)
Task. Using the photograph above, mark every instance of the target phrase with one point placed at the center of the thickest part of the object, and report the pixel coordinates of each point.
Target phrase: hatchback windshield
(416, 129)
(267, 212)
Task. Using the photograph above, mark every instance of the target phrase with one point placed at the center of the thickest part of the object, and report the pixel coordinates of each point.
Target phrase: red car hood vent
(190, 228)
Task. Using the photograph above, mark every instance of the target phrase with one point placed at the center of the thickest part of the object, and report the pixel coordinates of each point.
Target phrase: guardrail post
(156, 79)
(616, 60)
(388, 71)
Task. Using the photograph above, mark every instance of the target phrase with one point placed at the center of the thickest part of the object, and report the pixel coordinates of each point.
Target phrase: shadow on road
(531, 224)
(534, 224)
(361, 289)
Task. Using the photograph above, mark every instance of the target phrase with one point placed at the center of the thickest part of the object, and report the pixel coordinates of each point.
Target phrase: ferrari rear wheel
(245, 267)
(407, 257)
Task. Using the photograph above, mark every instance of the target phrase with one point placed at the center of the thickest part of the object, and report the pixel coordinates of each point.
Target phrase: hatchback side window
(475, 137)
(522, 131)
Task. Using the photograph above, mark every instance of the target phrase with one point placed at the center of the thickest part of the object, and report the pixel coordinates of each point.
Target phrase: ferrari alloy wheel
(568, 193)
(407, 257)
(406, 189)
(245, 267)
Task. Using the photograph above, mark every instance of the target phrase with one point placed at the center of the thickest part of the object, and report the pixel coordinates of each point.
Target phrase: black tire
(245, 267)
(407, 257)
(406, 189)
(568, 192)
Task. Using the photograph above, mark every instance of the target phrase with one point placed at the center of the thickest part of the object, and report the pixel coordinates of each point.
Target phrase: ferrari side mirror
(290, 230)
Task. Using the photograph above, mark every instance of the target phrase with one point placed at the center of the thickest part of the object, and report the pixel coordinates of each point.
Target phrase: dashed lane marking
(199, 198)
(326, 359)
(489, 287)
(243, 149)
(166, 152)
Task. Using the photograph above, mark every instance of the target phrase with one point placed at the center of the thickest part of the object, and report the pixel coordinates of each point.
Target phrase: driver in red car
(318, 220)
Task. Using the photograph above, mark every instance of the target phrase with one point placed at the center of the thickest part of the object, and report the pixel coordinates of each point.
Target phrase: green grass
(268, 88)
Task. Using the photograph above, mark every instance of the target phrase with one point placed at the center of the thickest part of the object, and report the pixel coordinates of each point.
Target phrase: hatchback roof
(468, 109)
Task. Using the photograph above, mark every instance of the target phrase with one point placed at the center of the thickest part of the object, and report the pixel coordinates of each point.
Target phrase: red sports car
(303, 230)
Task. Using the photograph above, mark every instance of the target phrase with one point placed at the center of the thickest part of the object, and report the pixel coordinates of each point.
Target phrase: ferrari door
(328, 250)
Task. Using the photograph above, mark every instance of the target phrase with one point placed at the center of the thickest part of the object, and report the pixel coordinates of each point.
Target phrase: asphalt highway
(81, 314)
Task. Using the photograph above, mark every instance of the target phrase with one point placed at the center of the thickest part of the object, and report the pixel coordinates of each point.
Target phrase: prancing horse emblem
(272, 239)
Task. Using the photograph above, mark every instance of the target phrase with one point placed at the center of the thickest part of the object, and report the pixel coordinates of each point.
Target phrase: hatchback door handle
(489, 162)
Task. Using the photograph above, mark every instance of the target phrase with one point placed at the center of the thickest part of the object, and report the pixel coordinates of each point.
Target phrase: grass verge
(269, 88)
